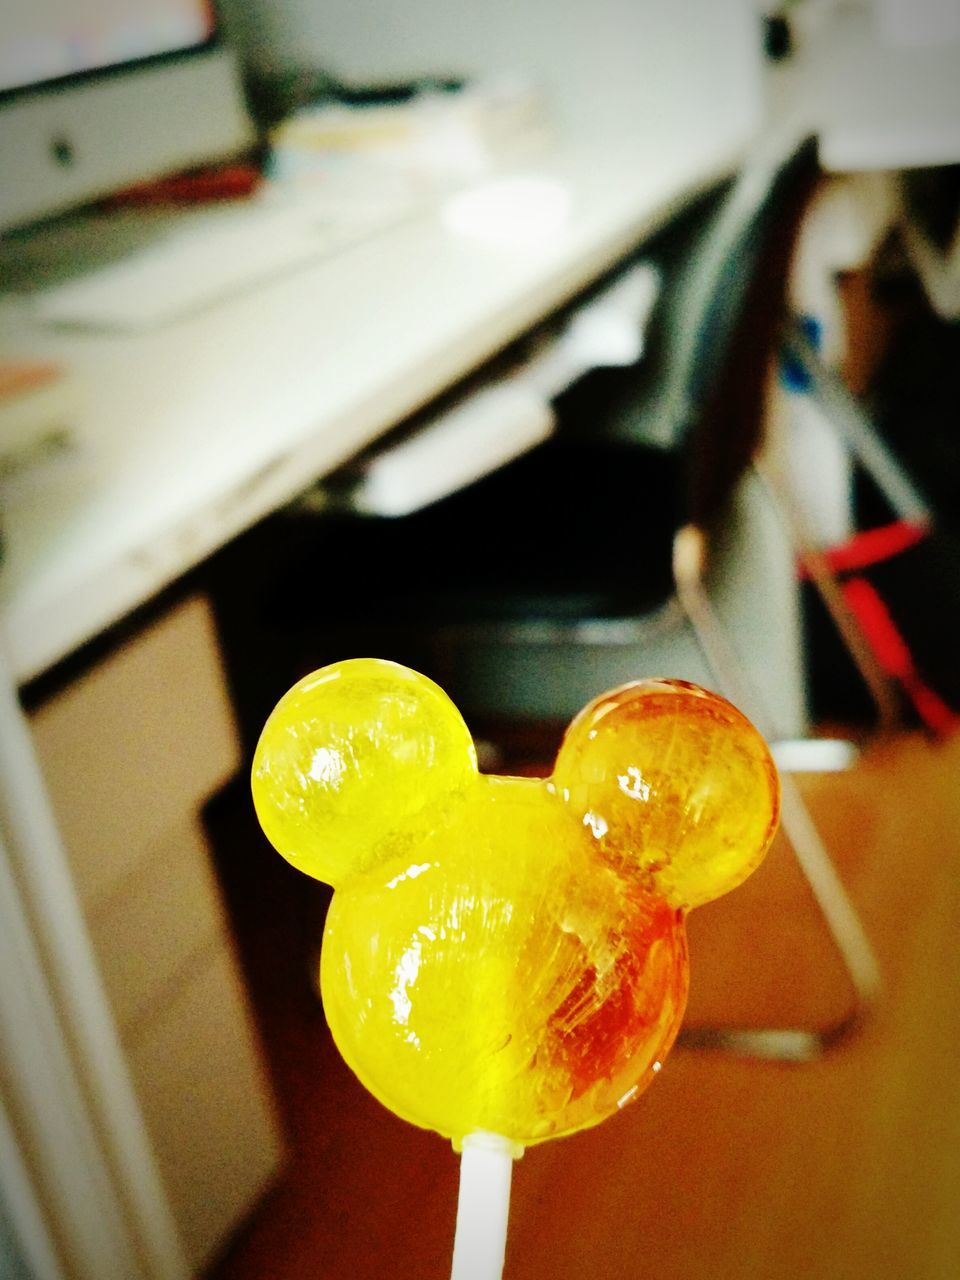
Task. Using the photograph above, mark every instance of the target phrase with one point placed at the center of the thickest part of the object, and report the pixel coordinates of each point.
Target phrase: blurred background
(541, 349)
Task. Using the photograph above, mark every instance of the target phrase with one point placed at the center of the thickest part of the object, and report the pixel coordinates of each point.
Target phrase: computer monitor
(98, 94)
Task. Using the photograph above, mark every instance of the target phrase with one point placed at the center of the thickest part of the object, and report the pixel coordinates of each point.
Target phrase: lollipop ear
(351, 760)
(674, 780)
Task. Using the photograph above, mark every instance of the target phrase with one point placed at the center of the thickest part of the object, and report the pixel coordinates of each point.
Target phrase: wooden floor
(843, 1169)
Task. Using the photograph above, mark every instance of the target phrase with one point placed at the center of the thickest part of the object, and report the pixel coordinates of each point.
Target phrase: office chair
(703, 403)
(587, 561)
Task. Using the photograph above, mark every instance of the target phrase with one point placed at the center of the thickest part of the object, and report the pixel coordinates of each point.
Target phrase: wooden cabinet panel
(205, 1103)
(131, 751)
(135, 741)
(149, 933)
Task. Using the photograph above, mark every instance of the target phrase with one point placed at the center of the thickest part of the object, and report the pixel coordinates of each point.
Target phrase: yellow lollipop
(507, 956)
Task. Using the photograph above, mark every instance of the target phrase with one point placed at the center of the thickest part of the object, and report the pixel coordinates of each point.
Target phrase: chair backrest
(740, 336)
(715, 332)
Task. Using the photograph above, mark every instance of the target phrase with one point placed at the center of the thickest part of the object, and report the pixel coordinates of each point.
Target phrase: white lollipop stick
(486, 1167)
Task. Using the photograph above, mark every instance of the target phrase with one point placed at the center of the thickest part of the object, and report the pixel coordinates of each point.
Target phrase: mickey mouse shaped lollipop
(505, 959)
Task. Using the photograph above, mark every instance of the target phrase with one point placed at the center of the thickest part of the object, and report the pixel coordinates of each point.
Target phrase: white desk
(198, 430)
(194, 432)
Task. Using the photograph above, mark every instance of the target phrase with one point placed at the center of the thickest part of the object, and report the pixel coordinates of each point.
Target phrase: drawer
(151, 929)
(207, 1106)
(134, 743)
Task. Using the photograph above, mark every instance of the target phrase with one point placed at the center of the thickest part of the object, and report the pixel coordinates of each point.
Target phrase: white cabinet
(131, 750)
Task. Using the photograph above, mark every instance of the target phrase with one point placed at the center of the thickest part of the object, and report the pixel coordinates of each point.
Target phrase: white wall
(623, 64)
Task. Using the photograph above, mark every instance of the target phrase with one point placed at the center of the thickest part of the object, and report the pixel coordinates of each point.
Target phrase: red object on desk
(201, 186)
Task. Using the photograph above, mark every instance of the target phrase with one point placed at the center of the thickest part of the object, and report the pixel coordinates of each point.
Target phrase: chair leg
(784, 1044)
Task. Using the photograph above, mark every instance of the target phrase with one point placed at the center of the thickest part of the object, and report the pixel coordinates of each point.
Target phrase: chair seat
(566, 531)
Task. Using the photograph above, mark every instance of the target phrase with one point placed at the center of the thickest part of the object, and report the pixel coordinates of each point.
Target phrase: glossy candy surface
(509, 954)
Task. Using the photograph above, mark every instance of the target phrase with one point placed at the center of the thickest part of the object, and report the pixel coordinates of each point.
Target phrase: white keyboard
(197, 267)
